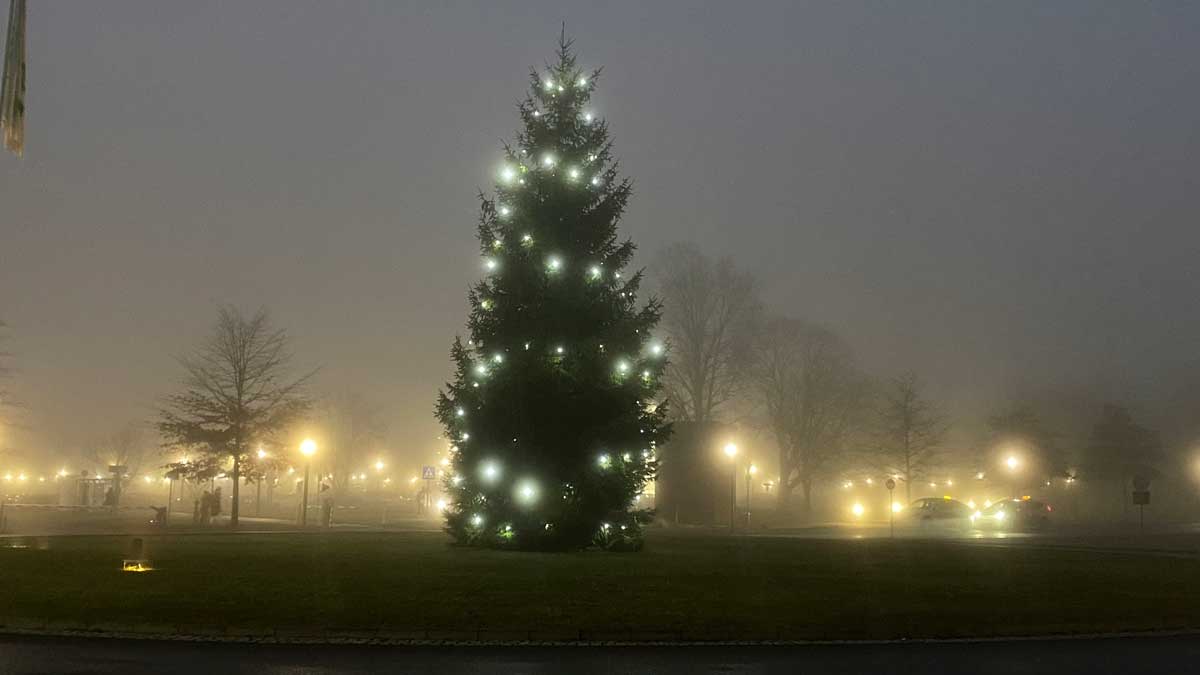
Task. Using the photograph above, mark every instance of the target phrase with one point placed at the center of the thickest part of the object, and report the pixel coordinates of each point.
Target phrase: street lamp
(750, 471)
(262, 454)
(1013, 464)
(307, 448)
(731, 452)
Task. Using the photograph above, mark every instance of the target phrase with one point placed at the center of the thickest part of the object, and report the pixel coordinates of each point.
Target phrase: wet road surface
(1123, 655)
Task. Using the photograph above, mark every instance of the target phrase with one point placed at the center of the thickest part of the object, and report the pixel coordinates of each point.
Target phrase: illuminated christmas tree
(553, 416)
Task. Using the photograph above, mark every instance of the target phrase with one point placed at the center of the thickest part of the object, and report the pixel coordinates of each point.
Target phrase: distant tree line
(735, 360)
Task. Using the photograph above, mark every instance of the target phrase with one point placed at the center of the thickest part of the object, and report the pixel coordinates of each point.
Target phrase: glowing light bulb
(537, 113)
(491, 471)
(549, 84)
(477, 520)
(460, 412)
(595, 180)
(645, 374)
(622, 367)
(858, 510)
(527, 239)
(456, 481)
(559, 350)
(604, 461)
(554, 264)
(656, 349)
(587, 117)
(505, 211)
(560, 87)
(626, 457)
(527, 491)
(481, 370)
(582, 81)
(507, 174)
(498, 358)
(596, 271)
(491, 264)
(548, 160)
(486, 304)
(573, 174)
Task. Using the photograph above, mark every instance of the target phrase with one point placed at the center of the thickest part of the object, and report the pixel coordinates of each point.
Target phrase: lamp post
(731, 452)
(262, 454)
(750, 471)
(307, 448)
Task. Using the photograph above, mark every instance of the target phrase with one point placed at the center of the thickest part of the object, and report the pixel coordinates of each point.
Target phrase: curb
(411, 639)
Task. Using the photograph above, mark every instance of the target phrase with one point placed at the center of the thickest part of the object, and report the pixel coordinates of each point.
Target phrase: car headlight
(999, 515)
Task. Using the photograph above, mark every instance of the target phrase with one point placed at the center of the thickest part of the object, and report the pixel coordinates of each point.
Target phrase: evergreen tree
(552, 413)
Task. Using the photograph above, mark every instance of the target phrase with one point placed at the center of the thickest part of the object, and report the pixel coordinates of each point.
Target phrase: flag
(12, 89)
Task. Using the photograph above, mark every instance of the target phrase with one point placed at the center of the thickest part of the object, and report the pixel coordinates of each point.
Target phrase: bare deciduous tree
(813, 397)
(354, 429)
(909, 433)
(710, 311)
(128, 446)
(236, 393)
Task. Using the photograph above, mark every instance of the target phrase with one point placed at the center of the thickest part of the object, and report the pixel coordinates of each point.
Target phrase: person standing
(326, 506)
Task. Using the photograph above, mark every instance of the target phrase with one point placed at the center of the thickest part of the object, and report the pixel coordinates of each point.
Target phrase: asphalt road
(1124, 655)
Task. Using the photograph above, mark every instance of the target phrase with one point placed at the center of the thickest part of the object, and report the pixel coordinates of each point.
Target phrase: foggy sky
(990, 194)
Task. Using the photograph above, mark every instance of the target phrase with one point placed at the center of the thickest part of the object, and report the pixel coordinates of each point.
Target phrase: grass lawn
(695, 587)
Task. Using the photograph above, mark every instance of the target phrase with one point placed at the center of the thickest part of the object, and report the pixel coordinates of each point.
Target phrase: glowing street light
(731, 450)
(1013, 464)
(307, 448)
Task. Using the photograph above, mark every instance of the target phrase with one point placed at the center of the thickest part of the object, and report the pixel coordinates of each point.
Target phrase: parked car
(938, 512)
(1014, 515)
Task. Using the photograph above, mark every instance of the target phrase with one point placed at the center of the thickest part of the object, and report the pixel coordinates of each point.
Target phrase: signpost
(1141, 497)
(891, 485)
(428, 473)
(118, 472)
